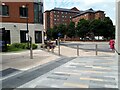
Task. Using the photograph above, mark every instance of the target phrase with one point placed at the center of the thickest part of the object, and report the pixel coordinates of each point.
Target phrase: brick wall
(14, 14)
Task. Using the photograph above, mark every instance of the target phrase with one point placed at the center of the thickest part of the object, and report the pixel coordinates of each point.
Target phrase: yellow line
(76, 85)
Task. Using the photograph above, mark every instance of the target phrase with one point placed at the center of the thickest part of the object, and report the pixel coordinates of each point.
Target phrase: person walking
(112, 43)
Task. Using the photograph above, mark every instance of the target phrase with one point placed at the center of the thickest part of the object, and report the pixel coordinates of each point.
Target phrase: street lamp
(27, 35)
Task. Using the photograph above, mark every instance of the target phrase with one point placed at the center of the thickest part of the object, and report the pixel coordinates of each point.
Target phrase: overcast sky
(106, 5)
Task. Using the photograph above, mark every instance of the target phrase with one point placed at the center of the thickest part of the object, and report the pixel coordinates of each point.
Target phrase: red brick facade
(89, 16)
(58, 16)
(14, 14)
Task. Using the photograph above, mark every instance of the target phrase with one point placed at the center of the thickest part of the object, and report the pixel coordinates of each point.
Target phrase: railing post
(96, 49)
(77, 50)
(31, 51)
(59, 46)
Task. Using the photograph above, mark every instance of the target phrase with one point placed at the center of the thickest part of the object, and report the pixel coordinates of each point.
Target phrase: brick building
(58, 16)
(89, 14)
(20, 19)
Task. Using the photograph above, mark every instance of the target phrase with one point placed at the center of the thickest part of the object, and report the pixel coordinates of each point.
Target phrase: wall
(15, 31)
(14, 15)
(117, 45)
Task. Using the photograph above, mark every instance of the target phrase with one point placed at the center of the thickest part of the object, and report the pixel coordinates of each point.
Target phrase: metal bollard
(77, 50)
(96, 49)
(59, 46)
(31, 51)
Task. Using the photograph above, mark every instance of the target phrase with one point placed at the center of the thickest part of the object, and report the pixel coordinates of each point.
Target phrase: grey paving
(29, 75)
(81, 72)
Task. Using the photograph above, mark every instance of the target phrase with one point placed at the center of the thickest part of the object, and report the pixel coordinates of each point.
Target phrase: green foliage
(19, 46)
(84, 28)
(34, 46)
(71, 30)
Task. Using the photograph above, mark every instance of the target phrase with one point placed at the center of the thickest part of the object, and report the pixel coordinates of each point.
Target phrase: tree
(82, 28)
(110, 29)
(62, 29)
(71, 30)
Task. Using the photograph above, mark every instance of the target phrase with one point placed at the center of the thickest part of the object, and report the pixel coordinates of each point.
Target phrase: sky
(105, 5)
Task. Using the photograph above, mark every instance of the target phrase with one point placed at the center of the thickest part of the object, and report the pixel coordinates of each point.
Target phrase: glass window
(23, 12)
(38, 37)
(38, 12)
(23, 36)
(5, 10)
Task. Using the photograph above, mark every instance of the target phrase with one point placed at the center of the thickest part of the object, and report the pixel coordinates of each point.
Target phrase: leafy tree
(82, 28)
(110, 29)
(62, 29)
(71, 30)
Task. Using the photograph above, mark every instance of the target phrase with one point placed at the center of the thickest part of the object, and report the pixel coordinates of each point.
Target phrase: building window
(5, 10)
(23, 12)
(38, 37)
(57, 15)
(54, 19)
(5, 36)
(54, 12)
(38, 13)
(23, 36)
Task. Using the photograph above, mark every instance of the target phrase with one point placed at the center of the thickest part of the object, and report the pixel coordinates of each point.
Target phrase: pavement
(67, 70)
(81, 72)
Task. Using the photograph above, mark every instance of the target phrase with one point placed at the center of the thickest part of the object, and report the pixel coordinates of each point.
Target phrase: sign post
(59, 34)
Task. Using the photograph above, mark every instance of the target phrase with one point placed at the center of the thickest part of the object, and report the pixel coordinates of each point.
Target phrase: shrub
(34, 46)
(20, 46)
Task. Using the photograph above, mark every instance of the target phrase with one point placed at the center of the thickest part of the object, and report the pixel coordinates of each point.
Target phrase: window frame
(24, 12)
(5, 11)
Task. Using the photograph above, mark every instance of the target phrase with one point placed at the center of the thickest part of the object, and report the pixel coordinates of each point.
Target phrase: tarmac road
(90, 46)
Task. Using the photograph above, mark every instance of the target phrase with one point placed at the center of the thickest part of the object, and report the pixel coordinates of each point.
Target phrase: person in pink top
(112, 43)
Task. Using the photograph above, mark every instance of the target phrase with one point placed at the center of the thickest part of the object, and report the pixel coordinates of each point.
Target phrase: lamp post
(27, 34)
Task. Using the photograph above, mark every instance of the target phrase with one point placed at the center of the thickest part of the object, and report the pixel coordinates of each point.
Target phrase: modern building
(21, 20)
(89, 14)
(58, 16)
